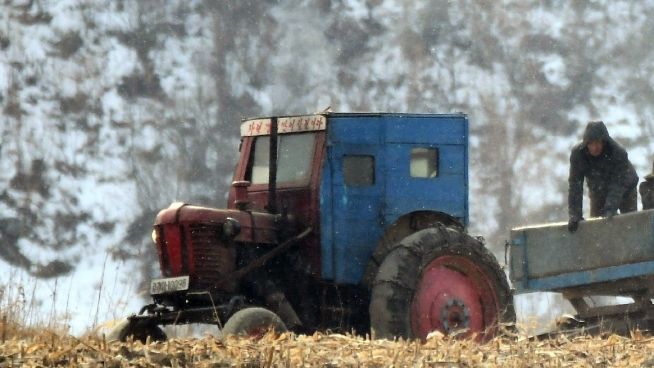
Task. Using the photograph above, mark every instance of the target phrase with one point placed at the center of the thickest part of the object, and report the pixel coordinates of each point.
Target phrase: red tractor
(334, 221)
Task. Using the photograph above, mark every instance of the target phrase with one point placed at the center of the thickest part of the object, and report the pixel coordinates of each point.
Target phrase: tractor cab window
(294, 157)
(359, 170)
(424, 163)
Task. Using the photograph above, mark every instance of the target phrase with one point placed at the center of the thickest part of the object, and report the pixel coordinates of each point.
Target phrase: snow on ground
(98, 290)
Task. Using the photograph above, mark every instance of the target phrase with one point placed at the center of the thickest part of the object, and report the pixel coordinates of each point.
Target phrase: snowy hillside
(110, 110)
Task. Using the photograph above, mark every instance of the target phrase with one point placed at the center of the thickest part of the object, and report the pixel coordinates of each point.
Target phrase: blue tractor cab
(383, 167)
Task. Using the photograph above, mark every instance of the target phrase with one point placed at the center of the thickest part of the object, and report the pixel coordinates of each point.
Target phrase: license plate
(169, 285)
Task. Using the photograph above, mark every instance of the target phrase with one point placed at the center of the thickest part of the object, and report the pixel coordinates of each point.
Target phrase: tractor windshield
(294, 156)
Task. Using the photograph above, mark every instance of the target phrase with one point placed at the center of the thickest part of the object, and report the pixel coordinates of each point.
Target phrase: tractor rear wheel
(440, 279)
(253, 322)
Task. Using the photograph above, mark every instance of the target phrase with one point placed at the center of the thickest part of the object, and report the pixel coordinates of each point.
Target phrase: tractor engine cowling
(199, 251)
(200, 242)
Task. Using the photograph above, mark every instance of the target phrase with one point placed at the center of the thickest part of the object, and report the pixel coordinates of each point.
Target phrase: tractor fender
(404, 226)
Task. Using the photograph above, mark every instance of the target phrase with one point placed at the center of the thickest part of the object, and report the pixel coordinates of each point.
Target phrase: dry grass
(21, 313)
(30, 341)
(51, 349)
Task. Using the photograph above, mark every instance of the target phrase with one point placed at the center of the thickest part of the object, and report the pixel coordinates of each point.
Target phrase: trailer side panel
(618, 248)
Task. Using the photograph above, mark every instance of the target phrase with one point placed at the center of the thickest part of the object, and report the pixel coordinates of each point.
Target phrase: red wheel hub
(454, 294)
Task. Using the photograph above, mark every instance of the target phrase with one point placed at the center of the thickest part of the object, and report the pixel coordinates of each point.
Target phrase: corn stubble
(39, 348)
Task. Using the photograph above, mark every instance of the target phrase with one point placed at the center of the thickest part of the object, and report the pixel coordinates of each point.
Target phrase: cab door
(355, 160)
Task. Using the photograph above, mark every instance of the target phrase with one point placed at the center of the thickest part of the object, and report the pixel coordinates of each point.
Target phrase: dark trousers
(629, 203)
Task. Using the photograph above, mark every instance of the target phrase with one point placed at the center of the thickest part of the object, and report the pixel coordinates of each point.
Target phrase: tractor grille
(213, 261)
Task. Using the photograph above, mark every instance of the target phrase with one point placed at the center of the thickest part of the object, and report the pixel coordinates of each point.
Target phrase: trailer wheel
(440, 279)
(140, 330)
(253, 322)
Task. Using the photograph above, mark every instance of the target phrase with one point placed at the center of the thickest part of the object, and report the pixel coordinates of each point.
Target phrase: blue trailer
(604, 257)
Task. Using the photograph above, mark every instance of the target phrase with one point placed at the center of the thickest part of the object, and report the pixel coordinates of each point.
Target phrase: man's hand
(610, 213)
(573, 223)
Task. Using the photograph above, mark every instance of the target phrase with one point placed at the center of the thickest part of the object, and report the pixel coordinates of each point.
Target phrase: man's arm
(575, 187)
(623, 179)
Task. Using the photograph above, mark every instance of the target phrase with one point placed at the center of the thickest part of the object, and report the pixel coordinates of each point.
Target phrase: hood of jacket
(595, 130)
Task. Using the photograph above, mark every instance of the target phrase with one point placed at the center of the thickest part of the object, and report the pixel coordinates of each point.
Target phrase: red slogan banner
(293, 124)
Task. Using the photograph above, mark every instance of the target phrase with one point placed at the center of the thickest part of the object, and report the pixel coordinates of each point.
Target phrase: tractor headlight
(155, 236)
(231, 227)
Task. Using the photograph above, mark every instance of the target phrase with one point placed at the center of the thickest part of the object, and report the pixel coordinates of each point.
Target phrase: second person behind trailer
(646, 190)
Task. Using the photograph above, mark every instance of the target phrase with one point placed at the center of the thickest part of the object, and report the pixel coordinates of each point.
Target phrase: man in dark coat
(611, 178)
(646, 190)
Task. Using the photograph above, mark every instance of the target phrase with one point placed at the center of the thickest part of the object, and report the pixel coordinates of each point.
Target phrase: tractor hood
(252, 227)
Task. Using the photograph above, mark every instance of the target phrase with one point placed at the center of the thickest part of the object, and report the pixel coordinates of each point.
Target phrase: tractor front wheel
(140, 330)
(440, 279)
(253, 322)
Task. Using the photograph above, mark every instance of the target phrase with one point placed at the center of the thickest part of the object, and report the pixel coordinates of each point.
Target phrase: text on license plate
(162, 286)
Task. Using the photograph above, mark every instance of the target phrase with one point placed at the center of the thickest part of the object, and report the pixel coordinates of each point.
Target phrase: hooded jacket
(609, 175)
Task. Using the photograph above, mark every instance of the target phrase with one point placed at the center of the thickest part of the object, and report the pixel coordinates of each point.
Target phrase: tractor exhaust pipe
(272, 167)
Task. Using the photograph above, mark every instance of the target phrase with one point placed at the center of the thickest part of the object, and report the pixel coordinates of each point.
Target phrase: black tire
(404, 227)
(253, 321)
(399, 276)
(140, 330)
